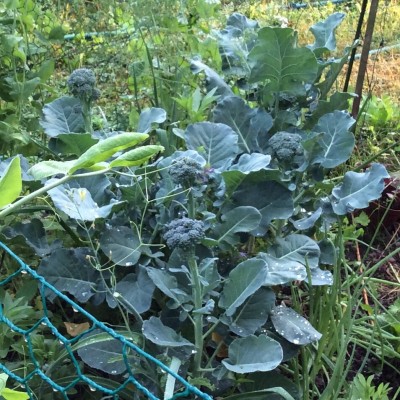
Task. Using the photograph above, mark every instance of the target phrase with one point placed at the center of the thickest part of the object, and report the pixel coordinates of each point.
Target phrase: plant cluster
(217, 247)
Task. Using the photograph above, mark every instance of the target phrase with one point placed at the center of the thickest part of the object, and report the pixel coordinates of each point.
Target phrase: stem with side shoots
(197, 316)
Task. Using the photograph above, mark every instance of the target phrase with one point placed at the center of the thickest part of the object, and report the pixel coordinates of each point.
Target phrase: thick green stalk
(87, 116)
(197, 317)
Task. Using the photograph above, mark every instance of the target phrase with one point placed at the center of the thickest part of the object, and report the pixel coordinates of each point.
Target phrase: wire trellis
(82, 378)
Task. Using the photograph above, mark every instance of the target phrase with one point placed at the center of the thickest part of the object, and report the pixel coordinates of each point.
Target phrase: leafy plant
(214, 233)
(362, 388)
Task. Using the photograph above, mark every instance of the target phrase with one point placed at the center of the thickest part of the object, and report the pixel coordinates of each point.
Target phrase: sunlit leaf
(104, 149)
(11, 183)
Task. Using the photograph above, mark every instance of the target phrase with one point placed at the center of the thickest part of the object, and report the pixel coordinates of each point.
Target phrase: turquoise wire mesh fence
(129, 387)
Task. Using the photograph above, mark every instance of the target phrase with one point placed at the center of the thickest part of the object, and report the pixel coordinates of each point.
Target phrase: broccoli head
(82, 84)
(186, 172)
(286, 147)
(184, 233)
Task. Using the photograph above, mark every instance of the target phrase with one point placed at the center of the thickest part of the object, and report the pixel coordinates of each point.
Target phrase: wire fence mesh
(127, 386)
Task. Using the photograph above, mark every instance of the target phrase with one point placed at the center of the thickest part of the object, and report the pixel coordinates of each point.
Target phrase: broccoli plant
(214, 253)
(286, 148)
(82, 85)
(183, 233)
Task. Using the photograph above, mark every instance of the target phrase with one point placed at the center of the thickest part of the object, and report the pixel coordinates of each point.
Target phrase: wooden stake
(364, 56)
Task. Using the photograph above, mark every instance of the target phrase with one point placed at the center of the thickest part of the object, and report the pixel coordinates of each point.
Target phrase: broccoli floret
(286, 147)
(186, 172)
(184, 233)
(82, 84)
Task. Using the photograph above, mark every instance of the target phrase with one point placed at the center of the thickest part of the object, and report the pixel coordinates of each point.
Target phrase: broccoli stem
(87, 115)
(197, 317)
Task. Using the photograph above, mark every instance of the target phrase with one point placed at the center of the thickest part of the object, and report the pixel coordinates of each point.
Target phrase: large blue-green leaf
(161, 335)
(321, 277)
(336, 142)
(100, 350)
(307, 222)
(169, 285)
(217, 143)
(338, 101)
(244, 280)
(328, 252)
(298, 249)
(150, 116)
(71, 143)
(63, 115)
(97, 185)
(69, 271)
(213, 80)
(241, 22)
(34, 234)
(282, 270)
(235, 41)
(332, 68)
(244, 120)
(251, 162)
(209, 274)
(240, 172)
(252, 353)
(122, 246)
(270, 198)
(276, 60)
(324, 33)
(136, 290)
(269, 380)
(240, 219)
(252, 314)
(293, 327)
(358, 189)
(78, 203)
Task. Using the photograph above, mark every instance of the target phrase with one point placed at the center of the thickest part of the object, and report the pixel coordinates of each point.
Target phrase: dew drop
(194, 351)
(114, 371)
(296, 341)
(92, 389)
(129, 264)
(23, 272)
(55, 390)
(74, 309)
